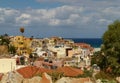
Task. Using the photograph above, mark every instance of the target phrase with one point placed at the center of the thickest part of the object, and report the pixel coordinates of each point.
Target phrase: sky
(64, 18)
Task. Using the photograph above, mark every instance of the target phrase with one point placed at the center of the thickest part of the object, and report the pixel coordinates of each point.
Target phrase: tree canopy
(5, 41)
(111, 46)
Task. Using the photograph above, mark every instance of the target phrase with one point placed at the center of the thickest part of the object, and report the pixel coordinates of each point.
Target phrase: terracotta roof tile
(70, 71)
(30, 71)
(43, 70)
(27, 72)
(1, 76)
(84, 45)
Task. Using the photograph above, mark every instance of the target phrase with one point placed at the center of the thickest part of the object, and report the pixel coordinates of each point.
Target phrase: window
(18, 38)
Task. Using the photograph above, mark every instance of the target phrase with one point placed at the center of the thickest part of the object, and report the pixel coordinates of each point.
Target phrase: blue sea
(94, 42)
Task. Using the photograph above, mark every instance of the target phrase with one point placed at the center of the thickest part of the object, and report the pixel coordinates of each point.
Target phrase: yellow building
(22, 45)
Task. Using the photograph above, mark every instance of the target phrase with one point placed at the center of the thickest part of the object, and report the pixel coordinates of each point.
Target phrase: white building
(61, 51)
(38, 51)
(7, 65)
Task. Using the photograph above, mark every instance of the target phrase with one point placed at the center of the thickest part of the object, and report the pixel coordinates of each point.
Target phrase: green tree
(12, 49)
(100, 60)
(4, 43)
(22, 60)
(111, 47)
(56, 75)
(4, 40)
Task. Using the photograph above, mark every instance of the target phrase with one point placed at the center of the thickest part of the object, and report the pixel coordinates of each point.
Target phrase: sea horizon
(94, 42)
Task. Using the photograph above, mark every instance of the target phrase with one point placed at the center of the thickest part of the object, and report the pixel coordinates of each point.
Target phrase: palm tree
(22, 30)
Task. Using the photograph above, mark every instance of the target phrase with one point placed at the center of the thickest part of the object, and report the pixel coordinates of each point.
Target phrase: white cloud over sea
(76, 18)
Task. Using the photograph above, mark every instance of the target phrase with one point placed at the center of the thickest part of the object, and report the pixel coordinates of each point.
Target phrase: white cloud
(54, 22)
(23, 19)
(73, 18)
(8, 15)
(74, 14)
(8, 11)
(104, 21)
(112, 11)
(64, 15)
(59, 16)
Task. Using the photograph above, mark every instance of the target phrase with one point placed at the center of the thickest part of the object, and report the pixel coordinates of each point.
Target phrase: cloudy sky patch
(65, 18)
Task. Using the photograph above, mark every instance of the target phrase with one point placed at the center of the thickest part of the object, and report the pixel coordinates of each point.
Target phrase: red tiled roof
(1, 76)
(42, 70)
(84, 45)
(30, 71)
(70, 71)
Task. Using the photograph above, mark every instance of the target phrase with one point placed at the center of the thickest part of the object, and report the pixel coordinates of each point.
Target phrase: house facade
(7, 65)
(22, 45)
